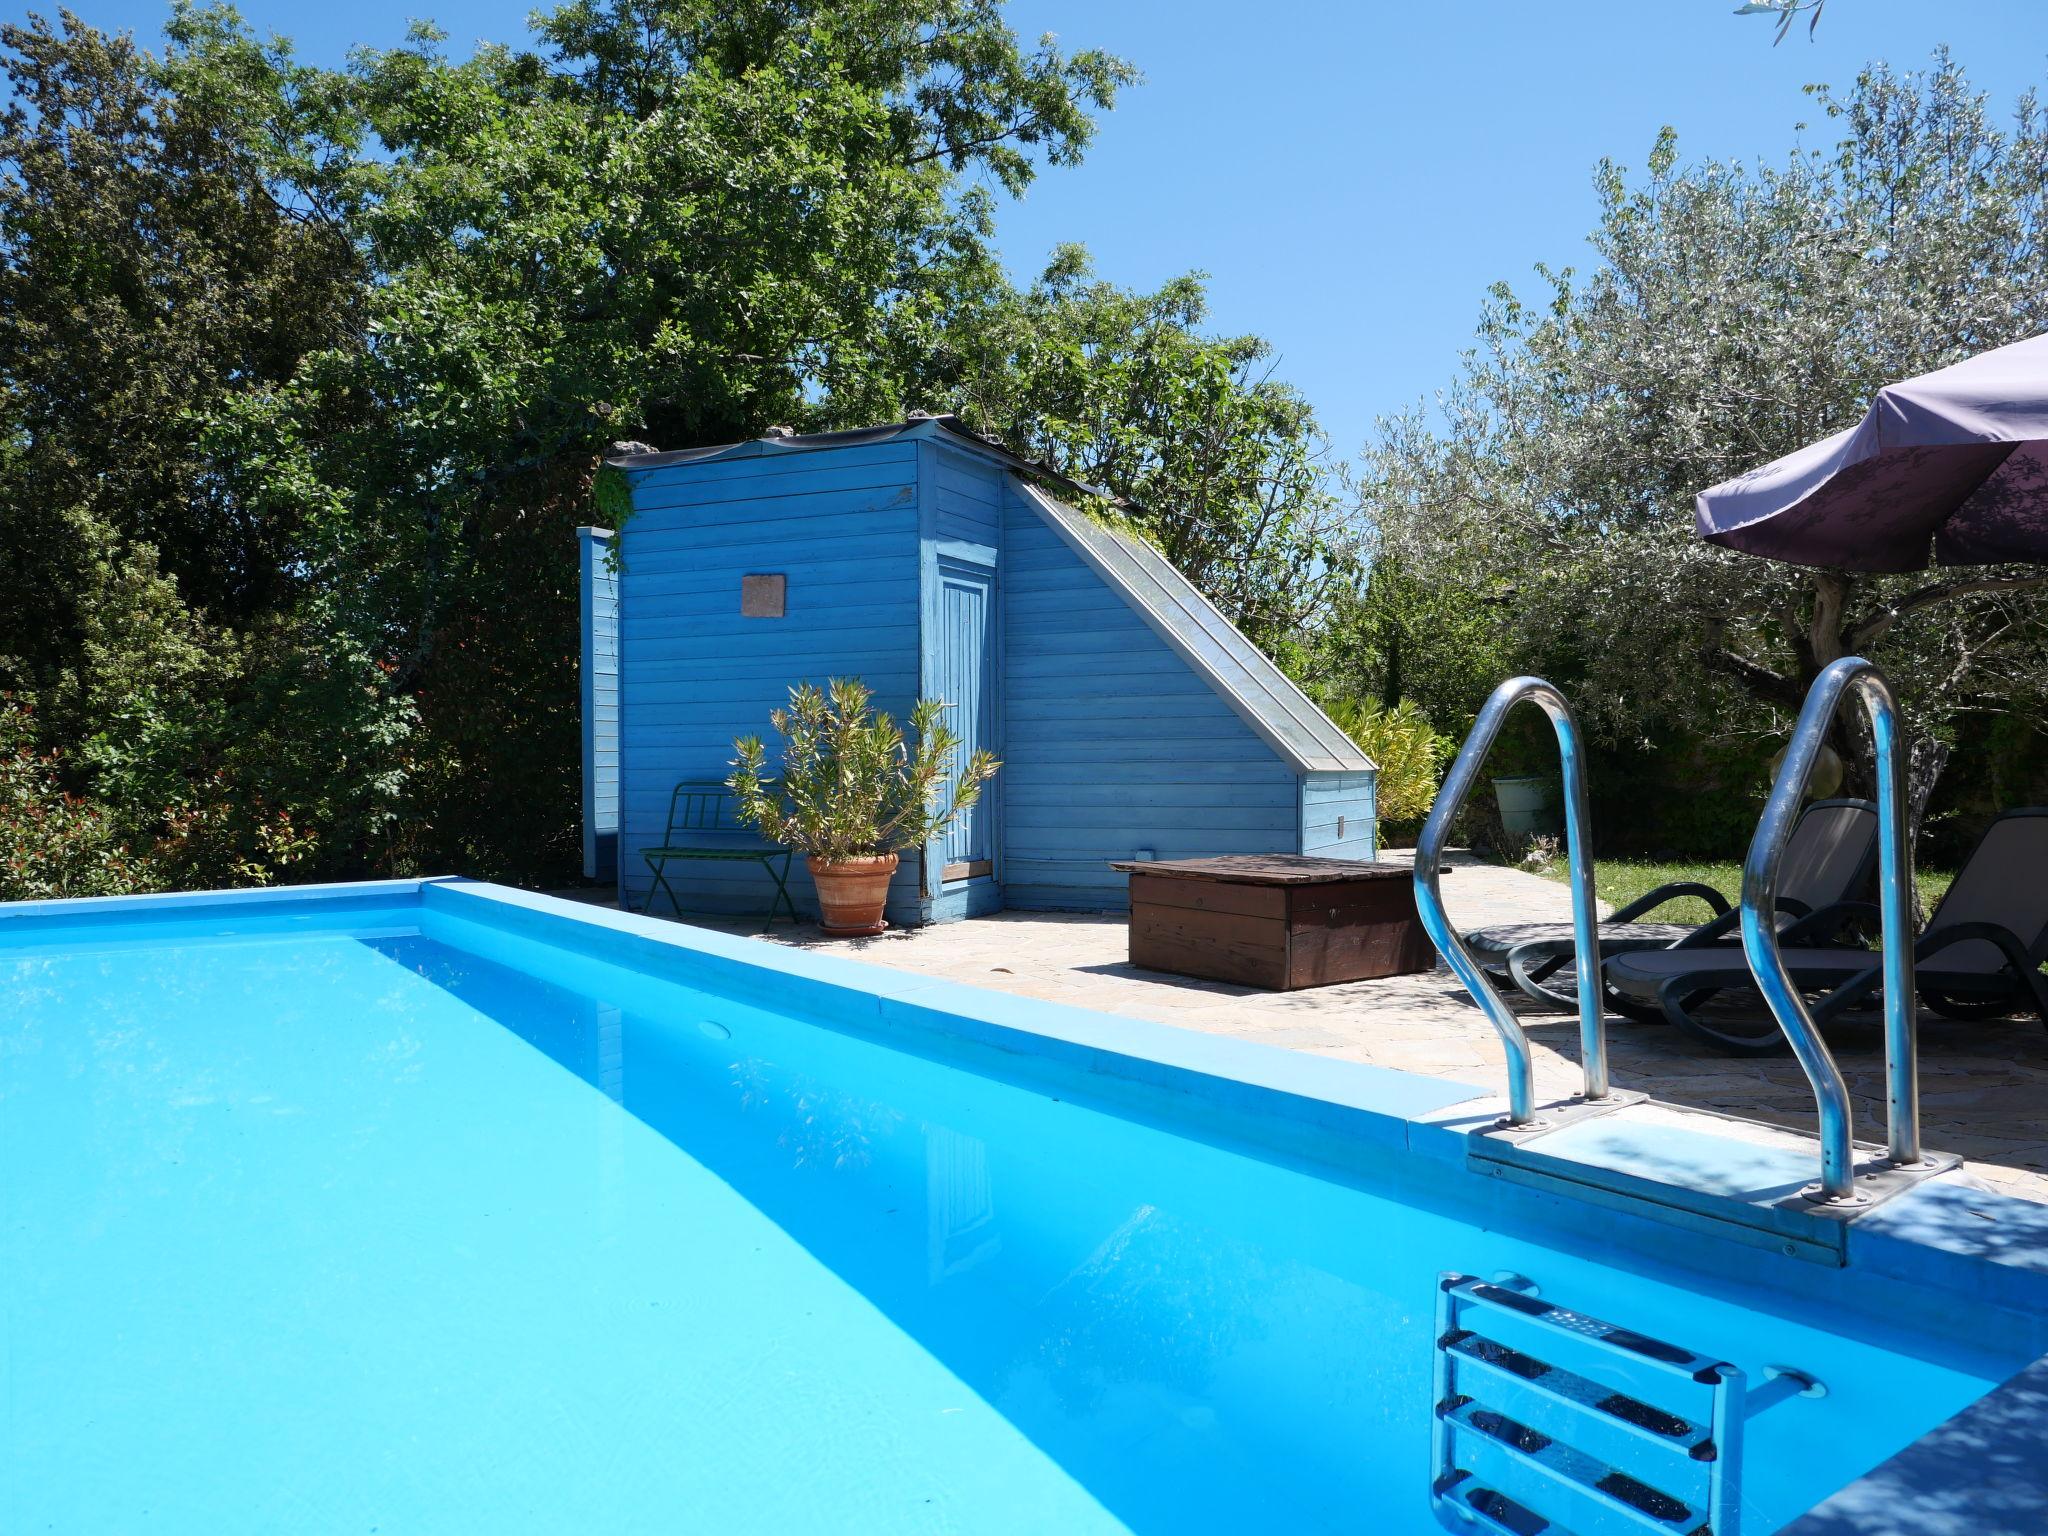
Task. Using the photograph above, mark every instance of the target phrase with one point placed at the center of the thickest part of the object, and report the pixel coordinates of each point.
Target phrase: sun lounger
(1980, 956)
(1827, 862)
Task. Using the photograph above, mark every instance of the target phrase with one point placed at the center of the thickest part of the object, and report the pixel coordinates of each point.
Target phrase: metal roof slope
(1262, 695)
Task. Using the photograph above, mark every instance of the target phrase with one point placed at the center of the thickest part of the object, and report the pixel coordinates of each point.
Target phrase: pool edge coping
(1917, 1491)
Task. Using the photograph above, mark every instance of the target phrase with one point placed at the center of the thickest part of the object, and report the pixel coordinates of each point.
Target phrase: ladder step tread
(1657, 1384)
(1671, 1357)
(1618, 1419)
(1492, 1512)
(1563, 1485)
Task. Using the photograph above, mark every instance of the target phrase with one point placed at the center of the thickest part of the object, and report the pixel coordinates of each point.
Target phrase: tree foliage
(53, 843)
(173, 235)
(307, 373)
(1734, 313)
(1399, 636)
(1787, 12)
(1406, 750)
(1188, 434)
(174, 241)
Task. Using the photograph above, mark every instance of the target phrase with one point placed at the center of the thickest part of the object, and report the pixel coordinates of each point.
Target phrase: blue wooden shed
(1133, 720)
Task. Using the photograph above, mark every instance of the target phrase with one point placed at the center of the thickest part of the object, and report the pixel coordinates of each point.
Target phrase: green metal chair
(700, 826)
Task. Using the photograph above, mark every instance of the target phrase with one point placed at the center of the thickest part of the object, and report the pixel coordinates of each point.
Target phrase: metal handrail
(1429, 900)
(1894, 887)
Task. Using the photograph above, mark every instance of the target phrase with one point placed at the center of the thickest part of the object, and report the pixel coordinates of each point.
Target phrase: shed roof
(946, 428)
(1263, 696)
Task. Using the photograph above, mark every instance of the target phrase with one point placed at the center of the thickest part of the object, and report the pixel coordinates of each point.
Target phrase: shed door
(967, 673)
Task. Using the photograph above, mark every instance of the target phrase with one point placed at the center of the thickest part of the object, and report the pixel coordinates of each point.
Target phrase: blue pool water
(403, 1223)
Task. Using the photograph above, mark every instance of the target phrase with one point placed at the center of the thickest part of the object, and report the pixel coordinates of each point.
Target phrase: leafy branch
(1785, 11)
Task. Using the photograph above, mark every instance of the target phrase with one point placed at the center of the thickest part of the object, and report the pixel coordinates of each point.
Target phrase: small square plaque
(761, 597)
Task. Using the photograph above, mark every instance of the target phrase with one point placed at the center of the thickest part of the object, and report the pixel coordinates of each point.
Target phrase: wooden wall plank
(1209, 896)
(1113, 745)
(756, 524)
(1327, 797)
(684, 484)
(967, 495)
(841, 524)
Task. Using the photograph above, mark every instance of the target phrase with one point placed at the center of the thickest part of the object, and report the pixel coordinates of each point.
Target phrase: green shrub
(1406, 748)
(850, 787)
(53, 843)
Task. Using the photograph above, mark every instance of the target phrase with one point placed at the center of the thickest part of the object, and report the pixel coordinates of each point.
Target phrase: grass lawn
(1621, 881)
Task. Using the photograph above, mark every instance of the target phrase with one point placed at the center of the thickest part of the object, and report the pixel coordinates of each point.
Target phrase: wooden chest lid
(1265, 869)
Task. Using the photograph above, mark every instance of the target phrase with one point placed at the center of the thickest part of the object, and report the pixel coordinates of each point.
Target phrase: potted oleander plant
(853, 794)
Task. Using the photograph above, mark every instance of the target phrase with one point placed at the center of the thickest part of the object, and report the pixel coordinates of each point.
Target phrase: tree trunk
(1925, 758)
(1826, 639)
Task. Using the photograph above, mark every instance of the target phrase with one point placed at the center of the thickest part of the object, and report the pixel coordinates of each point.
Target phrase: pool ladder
(1837, 1186)
(1836, 1189)
(1549, 1421)
(1429, 901)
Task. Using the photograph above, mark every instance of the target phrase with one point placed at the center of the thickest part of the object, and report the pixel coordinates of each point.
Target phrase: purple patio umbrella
(1950, 468)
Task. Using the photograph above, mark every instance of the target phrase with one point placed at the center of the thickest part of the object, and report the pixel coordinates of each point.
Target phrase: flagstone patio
(1984, 1087)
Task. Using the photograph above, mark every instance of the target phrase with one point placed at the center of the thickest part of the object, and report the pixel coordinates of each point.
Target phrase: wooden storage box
(1276, 920)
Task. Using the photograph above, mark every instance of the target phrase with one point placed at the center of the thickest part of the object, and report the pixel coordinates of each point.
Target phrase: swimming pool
(434, 1207)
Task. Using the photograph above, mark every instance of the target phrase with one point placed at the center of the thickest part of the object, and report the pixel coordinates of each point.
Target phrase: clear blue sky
(1353, 176)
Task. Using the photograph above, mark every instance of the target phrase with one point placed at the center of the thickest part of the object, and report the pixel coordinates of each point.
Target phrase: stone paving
(1984, 1086)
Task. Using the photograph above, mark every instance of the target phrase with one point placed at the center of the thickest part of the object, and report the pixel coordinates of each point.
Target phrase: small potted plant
(853, 793)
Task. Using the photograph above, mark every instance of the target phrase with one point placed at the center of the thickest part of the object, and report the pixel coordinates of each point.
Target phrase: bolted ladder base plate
(1557, 1115)
(1697, 1170)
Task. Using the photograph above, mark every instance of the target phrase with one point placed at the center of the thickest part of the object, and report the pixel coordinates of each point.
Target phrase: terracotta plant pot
(852, 893)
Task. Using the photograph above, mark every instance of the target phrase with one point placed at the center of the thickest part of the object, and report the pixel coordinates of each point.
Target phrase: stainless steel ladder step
(1548, 1422)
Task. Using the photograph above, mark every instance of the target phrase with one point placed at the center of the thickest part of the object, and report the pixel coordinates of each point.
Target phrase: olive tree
(1734, 313)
